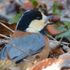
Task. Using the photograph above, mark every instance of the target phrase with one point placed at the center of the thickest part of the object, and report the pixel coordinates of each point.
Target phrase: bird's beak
(45, 18)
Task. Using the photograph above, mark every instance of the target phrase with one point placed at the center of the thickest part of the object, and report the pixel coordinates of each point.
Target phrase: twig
(7, 27)
(4, 36)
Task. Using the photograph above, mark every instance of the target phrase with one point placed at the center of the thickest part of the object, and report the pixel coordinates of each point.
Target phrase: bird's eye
(38, 18)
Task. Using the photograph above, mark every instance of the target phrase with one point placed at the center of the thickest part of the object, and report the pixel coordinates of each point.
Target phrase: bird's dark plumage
(27, 18)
